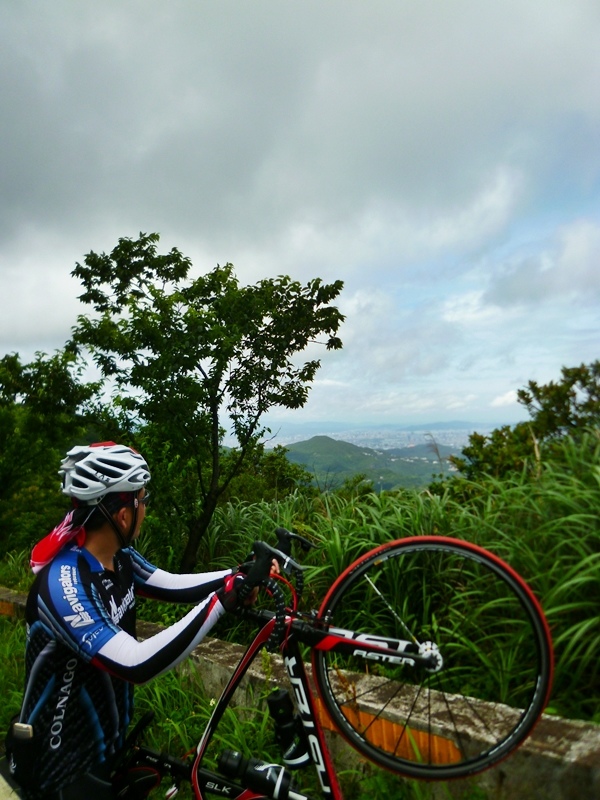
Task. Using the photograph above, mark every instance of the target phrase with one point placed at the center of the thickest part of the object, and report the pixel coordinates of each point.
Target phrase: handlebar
(259, 575)
(259, 571)
(285, 539)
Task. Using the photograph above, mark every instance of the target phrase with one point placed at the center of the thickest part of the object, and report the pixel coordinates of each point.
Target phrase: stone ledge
(12, 604)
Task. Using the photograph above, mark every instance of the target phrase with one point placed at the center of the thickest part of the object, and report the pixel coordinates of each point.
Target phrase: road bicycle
(431, 656)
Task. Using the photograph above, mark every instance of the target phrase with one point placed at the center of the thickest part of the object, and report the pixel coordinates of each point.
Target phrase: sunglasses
(141, 500)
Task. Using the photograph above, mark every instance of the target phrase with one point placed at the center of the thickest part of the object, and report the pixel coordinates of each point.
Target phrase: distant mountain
(332, 461)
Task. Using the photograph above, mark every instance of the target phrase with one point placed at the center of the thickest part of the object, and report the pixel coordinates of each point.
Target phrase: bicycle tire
(494, 640)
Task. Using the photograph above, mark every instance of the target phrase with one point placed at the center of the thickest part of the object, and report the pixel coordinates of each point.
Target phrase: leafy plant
(15, 571)
(12, 674)
(187, 354)
(563, 408)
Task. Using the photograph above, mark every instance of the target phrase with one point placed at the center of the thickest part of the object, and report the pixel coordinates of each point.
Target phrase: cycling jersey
(82, 656)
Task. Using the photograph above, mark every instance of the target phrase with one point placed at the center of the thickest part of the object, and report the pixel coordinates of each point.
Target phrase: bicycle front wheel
(492, 676)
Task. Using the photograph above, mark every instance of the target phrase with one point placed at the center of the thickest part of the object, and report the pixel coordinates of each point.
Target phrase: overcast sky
(441, 158)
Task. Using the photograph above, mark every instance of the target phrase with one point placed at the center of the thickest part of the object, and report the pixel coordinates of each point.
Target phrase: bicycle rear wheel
(492, 636)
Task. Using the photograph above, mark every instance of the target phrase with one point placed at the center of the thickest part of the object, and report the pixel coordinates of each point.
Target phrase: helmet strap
(115, 527)
(134, 519)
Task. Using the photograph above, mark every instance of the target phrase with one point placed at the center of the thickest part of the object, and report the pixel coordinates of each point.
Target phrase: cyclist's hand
(228, 594)
(247, 565)
(251, 599)
(275, 568)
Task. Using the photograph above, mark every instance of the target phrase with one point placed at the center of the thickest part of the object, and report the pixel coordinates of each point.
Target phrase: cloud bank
(441, 159)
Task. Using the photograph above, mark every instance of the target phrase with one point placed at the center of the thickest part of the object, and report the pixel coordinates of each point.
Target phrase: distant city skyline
(378, 436)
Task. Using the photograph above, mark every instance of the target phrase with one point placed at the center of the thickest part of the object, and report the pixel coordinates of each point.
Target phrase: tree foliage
(559, 408)
(42, 411)
(268, 476)
(189, 356)
(562, 407)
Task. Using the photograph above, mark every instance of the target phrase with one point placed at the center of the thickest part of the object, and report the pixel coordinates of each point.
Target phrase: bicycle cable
(279, 629)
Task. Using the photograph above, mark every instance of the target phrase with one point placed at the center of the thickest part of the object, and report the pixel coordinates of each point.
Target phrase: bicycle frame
(307, 630)
(437, 731)
(306, 708)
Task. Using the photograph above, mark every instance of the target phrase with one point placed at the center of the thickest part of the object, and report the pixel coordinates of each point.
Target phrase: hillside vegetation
(546, 526)
(331, 462)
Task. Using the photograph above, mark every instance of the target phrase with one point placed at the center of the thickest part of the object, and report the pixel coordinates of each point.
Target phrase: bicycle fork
(308, 713)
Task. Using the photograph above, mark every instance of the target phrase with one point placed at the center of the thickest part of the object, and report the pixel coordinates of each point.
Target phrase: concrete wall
(559, 761)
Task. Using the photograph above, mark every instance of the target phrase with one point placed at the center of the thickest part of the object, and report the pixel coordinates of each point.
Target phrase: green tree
(565, 407)
(190, 356)
(268, 475)
(42, 411)
(571, 404)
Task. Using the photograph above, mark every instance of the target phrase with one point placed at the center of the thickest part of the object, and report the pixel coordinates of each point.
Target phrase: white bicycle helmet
(90, 472)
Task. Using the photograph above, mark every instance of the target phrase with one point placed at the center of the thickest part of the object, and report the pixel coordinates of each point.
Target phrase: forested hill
(332, 461)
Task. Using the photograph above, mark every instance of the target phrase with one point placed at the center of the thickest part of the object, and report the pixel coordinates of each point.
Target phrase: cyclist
(82, 655)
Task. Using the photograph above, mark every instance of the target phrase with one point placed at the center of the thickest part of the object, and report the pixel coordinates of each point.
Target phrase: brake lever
(285, 561)
(285, 539)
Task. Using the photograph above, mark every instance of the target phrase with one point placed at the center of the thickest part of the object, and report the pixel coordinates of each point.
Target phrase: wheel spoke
(494, 642)
(396, 617)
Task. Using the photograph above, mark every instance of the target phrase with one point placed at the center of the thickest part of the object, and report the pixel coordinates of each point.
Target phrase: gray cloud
(235, 116)
(440, 157)
(566, 272)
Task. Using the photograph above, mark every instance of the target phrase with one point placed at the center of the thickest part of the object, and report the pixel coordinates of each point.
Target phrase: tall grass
(547, 527)
(549, 531)
(15, 572)
(12, 674)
